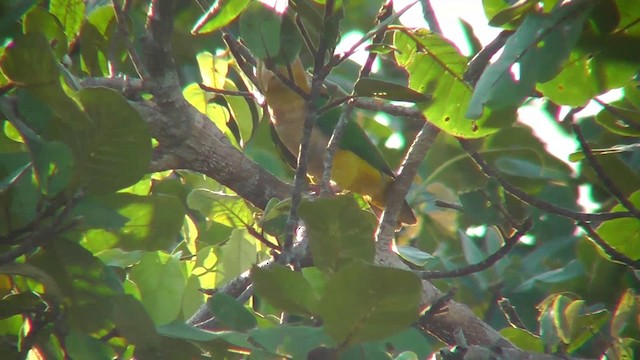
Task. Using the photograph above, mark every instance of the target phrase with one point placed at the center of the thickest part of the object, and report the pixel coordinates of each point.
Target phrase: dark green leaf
(549, 37)
(38, 20)
(621, 117)
(285, 289)
(568, 272)
(260, 30)
(338, 231)
(134, 324)
(365, 302)
(626, 313)
(290, 42)
(154, 223)
(230, 313)
(290, 340)
(27, 302)
(220, 14)
(513, 12)
(377, 88)
(480, 209)
(161, 279)
(85, 281)
(180, 330)
(120, 148)
(605, 16)
(587, 327)
(83, 346)
(623, 234)
(21, 65)
(275, 216)
(563, 319)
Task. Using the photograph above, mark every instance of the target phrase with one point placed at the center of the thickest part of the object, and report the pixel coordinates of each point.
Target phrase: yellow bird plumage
(350, 171)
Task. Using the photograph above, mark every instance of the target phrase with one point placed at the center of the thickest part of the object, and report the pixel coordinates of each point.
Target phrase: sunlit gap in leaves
(360, 55)
(280, 6)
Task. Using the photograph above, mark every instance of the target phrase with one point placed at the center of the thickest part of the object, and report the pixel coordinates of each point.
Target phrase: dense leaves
(112, 238)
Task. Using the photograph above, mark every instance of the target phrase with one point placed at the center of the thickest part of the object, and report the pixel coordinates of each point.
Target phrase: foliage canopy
(141, 193)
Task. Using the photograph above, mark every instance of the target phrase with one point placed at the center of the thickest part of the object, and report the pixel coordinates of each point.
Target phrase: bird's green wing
(354, 139)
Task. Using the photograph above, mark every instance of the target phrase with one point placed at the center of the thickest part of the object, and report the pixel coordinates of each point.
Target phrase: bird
(358, 165)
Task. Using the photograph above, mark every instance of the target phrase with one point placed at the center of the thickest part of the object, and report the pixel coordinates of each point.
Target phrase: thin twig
(532, 200)
(121, 19)
(300, 178)
(608, 183)
(479, 63)
(511, 314)
(244, 94)
(615, 111)
(305, 35)
(608, 249)
(448, 205)
(509, 243)
(398, 190)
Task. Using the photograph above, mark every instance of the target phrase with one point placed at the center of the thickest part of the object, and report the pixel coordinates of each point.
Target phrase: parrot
(358, 165)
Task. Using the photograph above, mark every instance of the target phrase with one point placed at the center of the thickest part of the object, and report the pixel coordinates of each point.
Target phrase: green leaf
(161, 279)
(181, 330)
(231, 313)
(548, 332)
(621, 117)
(587, 327)
(260, 30)
(20, 65)
(134, 324)
(38, 20)
(235, 256)
(230, 210)
(365, 302)
(15, 304)
(120, 149)
(436, 69)
(83, 346)
(369, 87)
(217, 113)
(563, 318)
(523, 339)
(480, 209)
(572, 270)
(338, 231)
(626, 313)
(287, 290)
(220, 14)
(70, 13)
(414, 255)
(87, 284)
(623, 234)
(154, 223)
(513, 12)
(550, 37)
(290, 42)
(274, 217)
(240, 109)
(53, 166)
(291, 341)
(610, 57)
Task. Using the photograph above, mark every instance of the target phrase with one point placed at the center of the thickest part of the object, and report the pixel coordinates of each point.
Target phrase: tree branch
(608, 183)
(532, 200)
